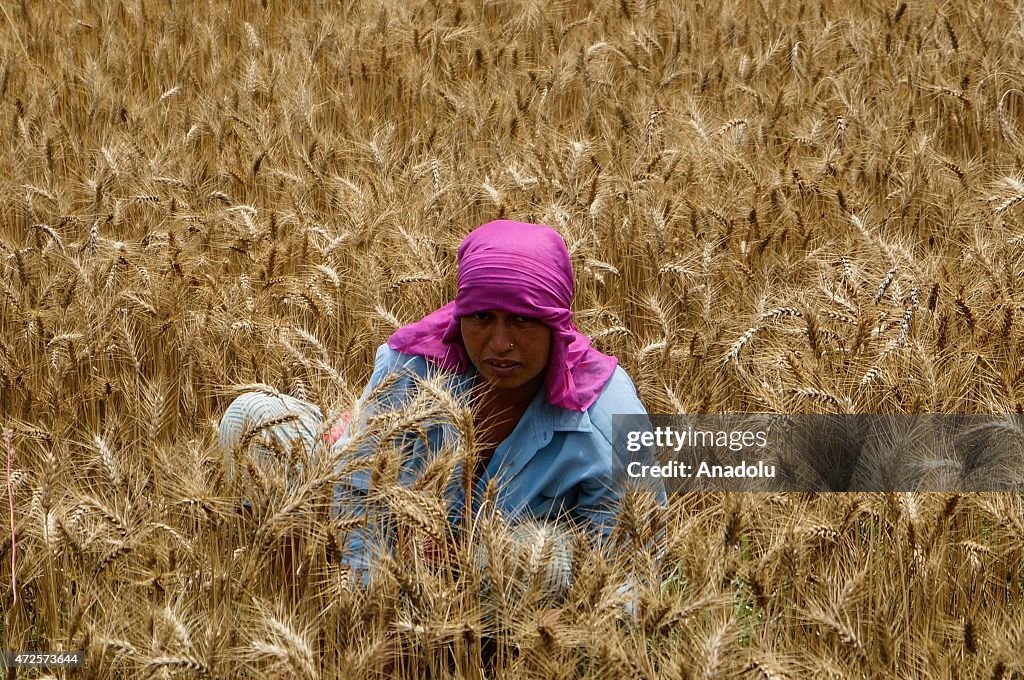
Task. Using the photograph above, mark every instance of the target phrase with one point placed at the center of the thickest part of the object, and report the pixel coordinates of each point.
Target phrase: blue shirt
(556, 462)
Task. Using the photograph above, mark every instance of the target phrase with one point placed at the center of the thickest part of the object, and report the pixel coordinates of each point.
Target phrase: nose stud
(511, 345)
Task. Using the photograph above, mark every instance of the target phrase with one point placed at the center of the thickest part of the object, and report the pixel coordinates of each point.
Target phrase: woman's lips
(502, 367)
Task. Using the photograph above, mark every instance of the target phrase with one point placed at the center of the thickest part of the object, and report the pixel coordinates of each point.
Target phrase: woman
(542, 397)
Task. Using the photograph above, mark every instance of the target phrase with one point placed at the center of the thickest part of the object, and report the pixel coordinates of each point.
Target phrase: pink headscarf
(522, 269)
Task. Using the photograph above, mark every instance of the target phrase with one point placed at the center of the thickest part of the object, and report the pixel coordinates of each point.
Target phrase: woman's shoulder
(388, 361)
(619, 392)
(400, 373)
(618, 397)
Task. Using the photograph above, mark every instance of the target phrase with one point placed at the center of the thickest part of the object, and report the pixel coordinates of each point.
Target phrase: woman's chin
(504, 382)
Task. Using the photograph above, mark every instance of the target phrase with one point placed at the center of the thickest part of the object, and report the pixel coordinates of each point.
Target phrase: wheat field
(783, 207)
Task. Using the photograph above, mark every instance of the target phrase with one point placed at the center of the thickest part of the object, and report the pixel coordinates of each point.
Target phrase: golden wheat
(756, 202)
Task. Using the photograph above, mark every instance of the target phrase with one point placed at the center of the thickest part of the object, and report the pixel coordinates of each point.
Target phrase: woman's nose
(501, 338)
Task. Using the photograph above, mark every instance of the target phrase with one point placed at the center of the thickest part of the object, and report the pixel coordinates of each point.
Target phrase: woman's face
(508, 350)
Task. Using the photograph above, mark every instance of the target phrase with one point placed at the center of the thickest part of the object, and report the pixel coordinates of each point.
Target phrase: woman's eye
(481, 316)
(524, 320)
